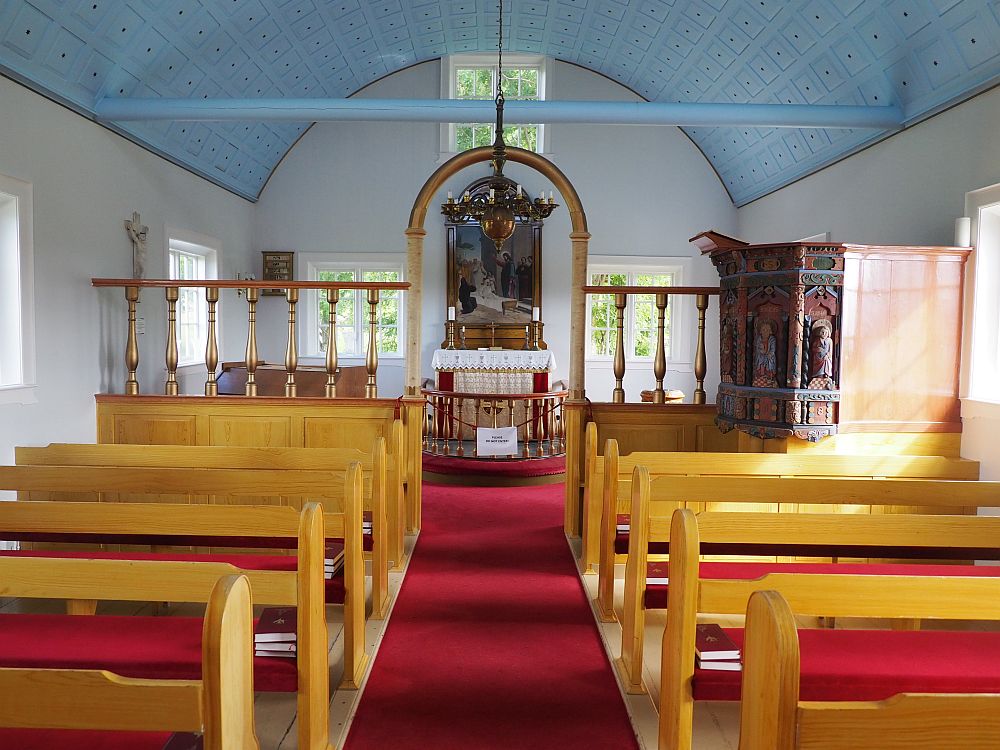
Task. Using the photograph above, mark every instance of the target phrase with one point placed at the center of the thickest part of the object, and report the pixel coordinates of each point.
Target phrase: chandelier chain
(500, 95)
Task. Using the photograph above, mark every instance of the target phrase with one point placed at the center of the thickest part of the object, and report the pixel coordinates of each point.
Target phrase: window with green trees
(352, 312)
(639, 319)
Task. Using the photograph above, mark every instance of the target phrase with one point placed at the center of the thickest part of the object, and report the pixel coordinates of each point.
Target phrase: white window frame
(209, 250)
(680, 308)
(981, 331)
(17, 289)
(451, 63)
(309, 335)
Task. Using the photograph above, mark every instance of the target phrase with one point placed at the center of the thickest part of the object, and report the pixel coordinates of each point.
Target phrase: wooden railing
(452, 419)
(661, 296)
(251, 290)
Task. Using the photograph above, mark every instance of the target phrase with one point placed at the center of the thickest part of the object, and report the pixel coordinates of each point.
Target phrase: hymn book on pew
(656, 574)
(333, 561)
(274, 633)
(715, 650)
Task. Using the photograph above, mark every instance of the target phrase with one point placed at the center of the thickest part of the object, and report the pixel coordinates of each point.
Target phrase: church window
(983, 331)
(353, 325)
(191, 258)
(476, 77)
(17, 353)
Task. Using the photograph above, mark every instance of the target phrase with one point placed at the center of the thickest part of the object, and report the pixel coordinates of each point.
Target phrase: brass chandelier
(498, 211)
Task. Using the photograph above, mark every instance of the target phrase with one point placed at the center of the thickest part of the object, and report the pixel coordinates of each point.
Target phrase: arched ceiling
(922, 55)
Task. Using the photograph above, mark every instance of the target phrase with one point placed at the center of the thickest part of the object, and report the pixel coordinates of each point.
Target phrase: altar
(504, 371)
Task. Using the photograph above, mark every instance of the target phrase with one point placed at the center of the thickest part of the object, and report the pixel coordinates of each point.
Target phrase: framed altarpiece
(493, 294)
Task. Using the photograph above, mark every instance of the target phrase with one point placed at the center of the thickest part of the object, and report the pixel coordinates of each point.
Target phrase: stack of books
(274, 634)
(622, 528)
(656, 574)
(715, 650)
(333, 561)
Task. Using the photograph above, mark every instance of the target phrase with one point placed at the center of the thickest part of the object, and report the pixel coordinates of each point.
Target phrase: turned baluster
(332, 297)
(170, 388)
(700, 360)
(526, 451)
(253, 294)
(211, 346)
(131, 344)
(550, 424)
(618, 395)
(459, 406)
(291, 348)
(660, 361)
(478, 404)
(510, 423)
(371, 363)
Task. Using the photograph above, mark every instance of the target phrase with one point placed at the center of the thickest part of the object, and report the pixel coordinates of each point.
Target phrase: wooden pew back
(773, 718)
(607, 483)
(382, 492)
(220, 704)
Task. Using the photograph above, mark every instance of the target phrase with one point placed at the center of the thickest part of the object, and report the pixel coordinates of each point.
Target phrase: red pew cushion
(871, 665)
(334, 586)
(81, 739)
(656, 594)
(155, 647)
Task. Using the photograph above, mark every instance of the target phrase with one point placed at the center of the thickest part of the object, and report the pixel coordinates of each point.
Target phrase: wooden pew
(733, 533)
(773, 718)
(219, 705)
(387, 531)
(941, 591)
(608, 486)
(303, 589)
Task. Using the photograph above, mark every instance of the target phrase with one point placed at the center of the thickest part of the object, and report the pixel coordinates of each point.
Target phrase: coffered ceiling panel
(922, 55)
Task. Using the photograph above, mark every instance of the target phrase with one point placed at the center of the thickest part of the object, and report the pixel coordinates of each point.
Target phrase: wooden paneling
(901, 341)
(160, 429)
(249, 431)
(341, 432)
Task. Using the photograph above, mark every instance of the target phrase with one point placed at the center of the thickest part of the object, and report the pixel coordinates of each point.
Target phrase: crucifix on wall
(137, 234)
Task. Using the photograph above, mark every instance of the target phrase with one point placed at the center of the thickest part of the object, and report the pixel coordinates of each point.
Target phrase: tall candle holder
(450, 332)
(461, 338)
(527, 339)
(536, 335)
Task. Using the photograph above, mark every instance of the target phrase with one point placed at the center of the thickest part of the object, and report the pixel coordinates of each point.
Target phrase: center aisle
(491, 643)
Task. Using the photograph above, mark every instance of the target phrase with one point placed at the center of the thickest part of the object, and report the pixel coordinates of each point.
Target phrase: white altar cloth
(504, 360)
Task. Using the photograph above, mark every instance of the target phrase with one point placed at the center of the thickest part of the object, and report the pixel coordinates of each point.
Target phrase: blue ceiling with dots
(920, 54)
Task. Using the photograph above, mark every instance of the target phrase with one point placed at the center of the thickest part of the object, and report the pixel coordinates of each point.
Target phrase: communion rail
(452, 418)
(661, 295)
(251, 290)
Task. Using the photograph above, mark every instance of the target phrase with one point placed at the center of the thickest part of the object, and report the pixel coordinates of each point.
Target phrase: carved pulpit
(817, 338)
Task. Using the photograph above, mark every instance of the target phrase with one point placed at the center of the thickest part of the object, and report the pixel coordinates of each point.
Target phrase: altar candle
(963, 232)
(536, 313)
(451, 313)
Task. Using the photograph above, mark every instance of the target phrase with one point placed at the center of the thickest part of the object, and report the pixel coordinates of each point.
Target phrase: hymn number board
(278, 266)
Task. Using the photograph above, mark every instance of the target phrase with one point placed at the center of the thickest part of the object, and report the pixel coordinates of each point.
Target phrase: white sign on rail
(496, 441)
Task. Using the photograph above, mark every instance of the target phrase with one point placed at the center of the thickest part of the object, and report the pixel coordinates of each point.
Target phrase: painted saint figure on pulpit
(821, 354)
(764, 359)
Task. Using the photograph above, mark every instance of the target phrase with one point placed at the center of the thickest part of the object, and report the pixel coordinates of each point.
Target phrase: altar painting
(491, 287)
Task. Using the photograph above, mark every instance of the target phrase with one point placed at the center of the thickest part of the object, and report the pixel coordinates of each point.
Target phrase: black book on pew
(276, 625)
(185, 741)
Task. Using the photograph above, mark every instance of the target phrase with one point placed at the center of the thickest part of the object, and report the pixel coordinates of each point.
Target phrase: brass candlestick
(461, 338)
(527, 339)
(536, 335)
(450, 332)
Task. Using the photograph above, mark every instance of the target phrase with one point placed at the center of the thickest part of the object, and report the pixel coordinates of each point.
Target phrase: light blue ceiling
(920, 54)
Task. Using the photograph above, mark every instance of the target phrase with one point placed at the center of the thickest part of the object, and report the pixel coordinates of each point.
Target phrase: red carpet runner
(491, 643)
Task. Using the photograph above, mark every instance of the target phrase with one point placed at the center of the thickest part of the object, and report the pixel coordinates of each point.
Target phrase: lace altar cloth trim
(503, 360)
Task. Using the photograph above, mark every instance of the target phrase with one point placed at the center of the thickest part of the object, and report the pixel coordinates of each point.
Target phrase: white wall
(348, 188)
(905, 190)
(86, 182)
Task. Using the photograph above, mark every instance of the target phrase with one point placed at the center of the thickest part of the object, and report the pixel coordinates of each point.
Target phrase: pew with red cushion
(309, 675)
(836, 664)
(42, 708)
(935, 703)
(795, 534)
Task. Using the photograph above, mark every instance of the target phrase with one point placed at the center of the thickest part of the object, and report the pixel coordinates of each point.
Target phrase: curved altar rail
(661, 295)
(452, 418)
(251, 290)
